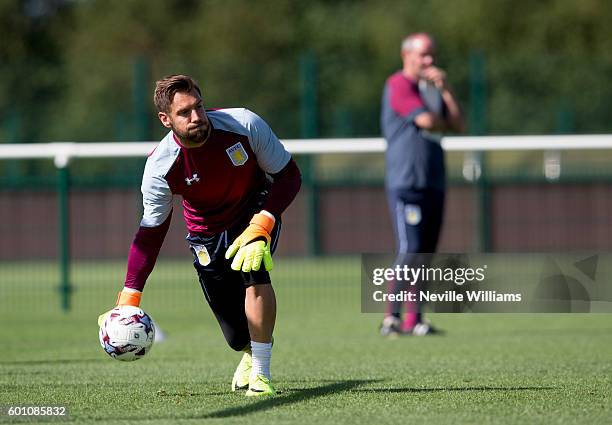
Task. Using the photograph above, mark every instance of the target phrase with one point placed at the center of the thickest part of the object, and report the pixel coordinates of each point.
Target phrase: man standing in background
(416, 102)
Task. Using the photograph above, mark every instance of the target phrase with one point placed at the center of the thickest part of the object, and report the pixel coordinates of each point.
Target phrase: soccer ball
(127, 334)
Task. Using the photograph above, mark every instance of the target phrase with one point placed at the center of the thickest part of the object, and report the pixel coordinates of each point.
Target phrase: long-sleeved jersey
(218, 182)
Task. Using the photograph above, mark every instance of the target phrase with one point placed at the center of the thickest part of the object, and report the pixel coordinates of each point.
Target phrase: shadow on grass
(295, 395)
(443, 389)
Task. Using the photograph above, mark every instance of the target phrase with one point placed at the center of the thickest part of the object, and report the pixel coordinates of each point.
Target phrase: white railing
(63, 152)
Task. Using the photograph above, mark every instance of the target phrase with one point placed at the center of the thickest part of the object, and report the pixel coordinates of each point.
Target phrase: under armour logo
(195, 179)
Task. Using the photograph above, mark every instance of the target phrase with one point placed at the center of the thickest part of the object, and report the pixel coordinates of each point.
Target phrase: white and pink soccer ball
(127, 334)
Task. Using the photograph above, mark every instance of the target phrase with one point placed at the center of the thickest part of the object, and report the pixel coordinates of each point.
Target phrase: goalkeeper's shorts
(224, 288)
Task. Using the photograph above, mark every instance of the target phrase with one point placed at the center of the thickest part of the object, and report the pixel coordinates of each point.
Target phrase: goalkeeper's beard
(193, 136)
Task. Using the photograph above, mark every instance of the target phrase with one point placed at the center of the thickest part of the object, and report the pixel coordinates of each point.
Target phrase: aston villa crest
(413, 214)
(237, 154)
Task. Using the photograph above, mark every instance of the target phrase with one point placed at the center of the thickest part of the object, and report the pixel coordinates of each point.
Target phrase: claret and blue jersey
(220, 182)
(415, 161)
(216, 180)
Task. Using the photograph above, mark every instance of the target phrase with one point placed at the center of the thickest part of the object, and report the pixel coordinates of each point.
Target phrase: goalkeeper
(235, 179)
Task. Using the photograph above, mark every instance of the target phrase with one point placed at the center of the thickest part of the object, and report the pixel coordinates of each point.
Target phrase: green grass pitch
(328, 360)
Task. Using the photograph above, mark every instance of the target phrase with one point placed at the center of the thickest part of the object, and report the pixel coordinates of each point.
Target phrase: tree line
(84, 70)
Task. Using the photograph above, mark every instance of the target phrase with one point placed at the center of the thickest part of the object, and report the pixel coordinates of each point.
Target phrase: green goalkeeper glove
(249, 250)
(124, 298)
